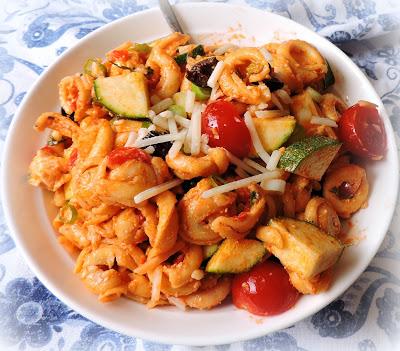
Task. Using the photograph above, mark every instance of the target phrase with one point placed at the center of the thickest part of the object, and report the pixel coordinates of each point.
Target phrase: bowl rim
(148, 335)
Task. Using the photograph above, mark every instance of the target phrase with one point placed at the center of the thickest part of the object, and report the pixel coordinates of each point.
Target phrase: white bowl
(29, 212)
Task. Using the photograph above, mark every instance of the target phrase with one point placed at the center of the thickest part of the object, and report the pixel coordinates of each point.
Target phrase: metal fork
(169, 16)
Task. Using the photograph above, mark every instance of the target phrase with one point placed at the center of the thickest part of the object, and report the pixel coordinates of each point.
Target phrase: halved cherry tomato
(362, 131)
(122, 154)
(265, 290)
(224, 126)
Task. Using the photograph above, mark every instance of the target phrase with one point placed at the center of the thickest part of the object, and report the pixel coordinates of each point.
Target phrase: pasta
(146, 195)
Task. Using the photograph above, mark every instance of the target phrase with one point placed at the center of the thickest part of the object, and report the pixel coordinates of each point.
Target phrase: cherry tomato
(265, 290)
(362, 131)
(222, 123)
(122, 154)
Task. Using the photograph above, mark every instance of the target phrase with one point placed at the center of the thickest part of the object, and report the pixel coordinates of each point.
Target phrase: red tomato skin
(265, 290)
(122, 154)
(224, 126)
(357, 134)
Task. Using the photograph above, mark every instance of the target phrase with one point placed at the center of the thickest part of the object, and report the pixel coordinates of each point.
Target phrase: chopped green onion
(94, 68)
(197, 51)
(201, 93)
(181, 59)
(146, 124)
(68, 214)
(122, 66)
(177, 109)
(329, 77)
(315, 95)
(145, 48)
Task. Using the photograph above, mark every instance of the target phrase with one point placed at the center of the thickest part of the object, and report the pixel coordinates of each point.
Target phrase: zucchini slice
(124, 95)
(236, 256)
(209, 250)
(300, 246)
(310, 157)
(274, 132)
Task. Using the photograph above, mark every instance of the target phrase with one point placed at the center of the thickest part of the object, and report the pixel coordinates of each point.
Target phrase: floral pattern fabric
(365, 318)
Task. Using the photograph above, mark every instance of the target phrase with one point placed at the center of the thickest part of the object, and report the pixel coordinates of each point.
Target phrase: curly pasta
(148, 186)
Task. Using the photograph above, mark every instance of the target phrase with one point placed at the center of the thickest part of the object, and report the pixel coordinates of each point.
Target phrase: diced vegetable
(177, 109)
(68, 214)
(124, 95)
(180, 99)
(181, 59)
(94, 68)
(274, 132)
(209, 250)
(310, 157)
(300, 246)
(145, 48)
(236, 256)
(197, 51)
(329, 77)
(202, 94)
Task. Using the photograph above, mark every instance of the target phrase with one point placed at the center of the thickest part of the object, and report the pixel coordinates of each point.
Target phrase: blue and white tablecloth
(365, 318)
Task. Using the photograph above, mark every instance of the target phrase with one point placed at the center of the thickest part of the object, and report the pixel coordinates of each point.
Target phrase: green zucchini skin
(125, 96)
(236, 256)
(310, 157)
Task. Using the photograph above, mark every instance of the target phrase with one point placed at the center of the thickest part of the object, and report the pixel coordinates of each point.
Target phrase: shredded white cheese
(162, 105)
(254, 138)
(166, 114)
(175, 148)
(261, 106)
(196, 130)
(189, 101)
(182, 121)
(152, 114)
(241, 173)
(276, 102)
(155, 190)
(267, 55)
(160, 122)
(284, 96)
(315, 95)
(274, 160)
(173, 128)
(131, 139)
(240, 183)
(150, 149)
(159, 139)
(271, 113)
(197, 274)
(254, 164)
(238, 162)
(323, 121)
(223, 49)
(216, 73)
(178, 302)
(274, 185)
(156, 277)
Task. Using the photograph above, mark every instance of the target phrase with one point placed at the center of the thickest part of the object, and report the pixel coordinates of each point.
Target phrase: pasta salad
(184, 173)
